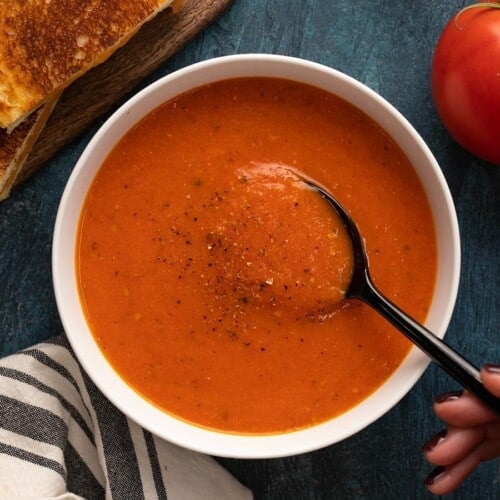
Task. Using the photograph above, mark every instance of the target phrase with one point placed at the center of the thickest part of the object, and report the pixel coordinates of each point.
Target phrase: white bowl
(65, 283)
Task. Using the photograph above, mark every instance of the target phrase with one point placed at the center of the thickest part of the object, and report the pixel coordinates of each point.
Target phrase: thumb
(490, 376)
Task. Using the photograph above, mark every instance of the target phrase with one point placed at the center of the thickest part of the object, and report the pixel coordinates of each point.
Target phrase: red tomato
(465, 80)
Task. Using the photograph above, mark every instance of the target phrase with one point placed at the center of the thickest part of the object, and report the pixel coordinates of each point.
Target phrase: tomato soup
(213, 279)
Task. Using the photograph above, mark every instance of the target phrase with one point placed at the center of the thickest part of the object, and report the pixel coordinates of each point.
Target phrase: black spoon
(362, 288)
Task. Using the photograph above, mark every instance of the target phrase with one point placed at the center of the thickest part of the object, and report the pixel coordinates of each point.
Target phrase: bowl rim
(190, 435)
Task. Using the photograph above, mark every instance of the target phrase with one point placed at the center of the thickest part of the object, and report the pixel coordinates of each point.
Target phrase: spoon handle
(452, 362)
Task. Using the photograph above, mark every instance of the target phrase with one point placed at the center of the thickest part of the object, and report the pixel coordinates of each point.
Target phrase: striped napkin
(61, 438)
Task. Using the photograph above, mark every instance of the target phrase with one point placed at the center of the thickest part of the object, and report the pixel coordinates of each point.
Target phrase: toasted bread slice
(15, 146)
(46, 44)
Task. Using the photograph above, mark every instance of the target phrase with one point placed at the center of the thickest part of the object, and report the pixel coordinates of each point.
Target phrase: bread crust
(47, 44)
(15, 146)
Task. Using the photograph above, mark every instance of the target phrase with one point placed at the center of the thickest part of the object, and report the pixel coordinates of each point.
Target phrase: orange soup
(213, 280)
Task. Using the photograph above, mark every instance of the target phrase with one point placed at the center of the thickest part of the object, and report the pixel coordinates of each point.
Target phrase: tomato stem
(491, 5)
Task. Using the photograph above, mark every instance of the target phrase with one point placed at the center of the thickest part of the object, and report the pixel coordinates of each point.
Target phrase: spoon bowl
(363, 288)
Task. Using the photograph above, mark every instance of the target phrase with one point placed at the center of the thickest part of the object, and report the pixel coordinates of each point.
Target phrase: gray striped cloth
(61, 438)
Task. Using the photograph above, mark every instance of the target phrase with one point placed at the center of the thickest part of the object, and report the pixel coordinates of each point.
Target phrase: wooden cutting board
(98, 90)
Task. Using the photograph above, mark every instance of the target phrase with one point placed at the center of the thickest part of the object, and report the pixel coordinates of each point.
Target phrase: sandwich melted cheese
(46, 44)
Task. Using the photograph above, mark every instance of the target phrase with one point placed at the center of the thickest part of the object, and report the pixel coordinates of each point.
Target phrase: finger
(490, 450)
(462, 409)
(490, 376)
(443, 480)
(492, 431)
(452, 445)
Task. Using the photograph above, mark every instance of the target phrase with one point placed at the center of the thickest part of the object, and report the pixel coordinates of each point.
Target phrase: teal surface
(388, 46)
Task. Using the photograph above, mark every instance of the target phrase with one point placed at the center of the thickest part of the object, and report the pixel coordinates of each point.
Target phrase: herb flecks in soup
(211, 277)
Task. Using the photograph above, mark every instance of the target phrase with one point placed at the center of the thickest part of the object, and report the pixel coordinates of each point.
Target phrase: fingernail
(435, 476)
(490, 368)
(448, 396)
(434, 441)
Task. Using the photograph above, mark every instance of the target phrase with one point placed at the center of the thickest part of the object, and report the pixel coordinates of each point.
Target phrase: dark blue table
(388, 46)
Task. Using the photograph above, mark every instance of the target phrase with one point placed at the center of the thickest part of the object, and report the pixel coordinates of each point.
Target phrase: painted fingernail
(448, 396)
(434, 441)
(490, 368)
(435, 476)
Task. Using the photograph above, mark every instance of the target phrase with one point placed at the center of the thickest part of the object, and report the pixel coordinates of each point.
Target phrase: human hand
(472, 435)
